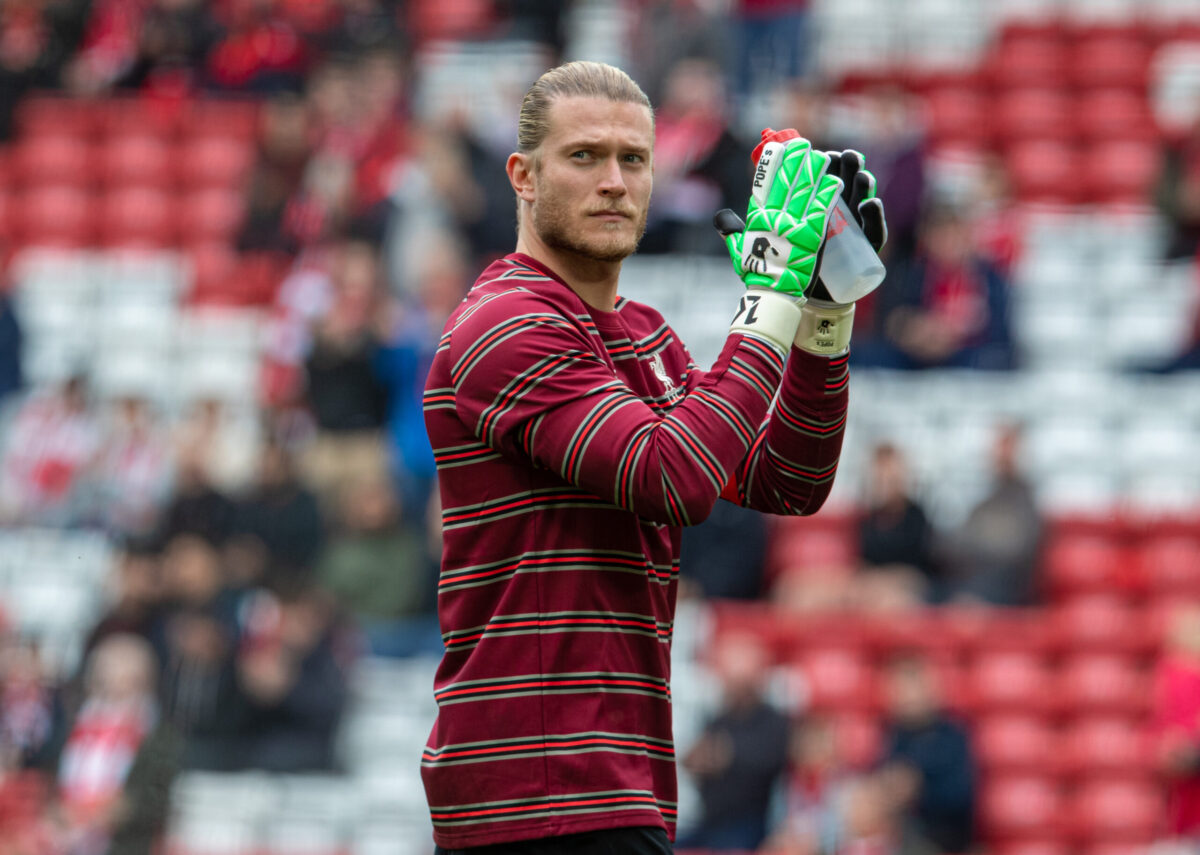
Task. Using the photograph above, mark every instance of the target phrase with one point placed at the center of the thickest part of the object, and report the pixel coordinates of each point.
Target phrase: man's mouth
(610, 215)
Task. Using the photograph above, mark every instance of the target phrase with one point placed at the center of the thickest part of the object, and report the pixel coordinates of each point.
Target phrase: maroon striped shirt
(571, 446)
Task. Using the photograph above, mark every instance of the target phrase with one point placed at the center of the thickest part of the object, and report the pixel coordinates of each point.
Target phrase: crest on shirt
(660, 371)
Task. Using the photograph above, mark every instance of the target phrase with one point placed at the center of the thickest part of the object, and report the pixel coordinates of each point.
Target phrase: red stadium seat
(135, 160)
(136, 217)
(1107, 60)
(859, 738)
(1101, 745)
(1114, 114)
(236, 119)
(1021, 807)
(1117, 810)
(1045, 171)
(838, 679)
(53, 115)
(1120, 171)
(1033, 114)
(211, 214)
(53, 159)
(59, 216)
(1015, 743)
(215, 161)
(957, 117)
(1010, 681)
(1106, 623)
(1033, 847)
(1102, 683)
(141, 117)
(1170, 564)
(1035, 60)
(1081, 563)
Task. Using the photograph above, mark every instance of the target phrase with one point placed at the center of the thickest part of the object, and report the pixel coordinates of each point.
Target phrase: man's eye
(634, 158)
(579, 155)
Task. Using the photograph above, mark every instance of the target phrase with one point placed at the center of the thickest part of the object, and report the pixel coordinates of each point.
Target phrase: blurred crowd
(258, 557)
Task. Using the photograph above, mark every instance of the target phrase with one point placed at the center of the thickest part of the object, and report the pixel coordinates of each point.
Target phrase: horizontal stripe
(559, 622)
(547, 684)
(490, 751)
(555, 560)
(614, 800)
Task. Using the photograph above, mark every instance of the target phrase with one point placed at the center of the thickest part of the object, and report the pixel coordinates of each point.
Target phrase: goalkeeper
(574, 436)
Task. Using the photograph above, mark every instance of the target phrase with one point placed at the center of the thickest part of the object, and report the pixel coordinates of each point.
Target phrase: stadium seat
(141, 117)
(1044, 171)
(1081, 563)
(1116, 810)
(54, 216)
(1114, 114)
(1015, 743)
(236, 119)
(53, 159)
(135, 160)
(1103, 683)
(1033, 60)
(1021, 807)
(215, 161)
(1170, 564)
(859, 738)
(1121, 171)
(211, 214)
(957, 117)
(1100, 623)
(136, 217)
(1097, 745)
(46, 115)
(838, 679)
(1033, 114)
(1107, 60)
(1033, 847)
(1011, 682)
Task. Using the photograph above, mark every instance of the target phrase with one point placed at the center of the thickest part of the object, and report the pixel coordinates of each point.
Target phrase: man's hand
(793, 193)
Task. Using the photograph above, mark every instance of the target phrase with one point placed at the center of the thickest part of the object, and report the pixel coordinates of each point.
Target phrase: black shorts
(610, 841)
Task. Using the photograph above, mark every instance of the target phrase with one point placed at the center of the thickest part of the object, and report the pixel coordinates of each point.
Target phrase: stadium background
(236, 226)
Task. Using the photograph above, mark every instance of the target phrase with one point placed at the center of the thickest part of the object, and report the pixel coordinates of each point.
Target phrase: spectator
(774, 43)
(725, 556)
(929, 756)
(221, 445)
(135, 469)
(259, 51)
(52, 444)
(993, 557)
(895, 538)
(1177, 194)
(37, 40)
(28, 710)
(379, 571)
(348, 401)
(892, 143)
(283, 515)
(947, 308)
(740, 756)
(1176, 723)
(817, 784)
(197, 507)
(201, 633)
(11, 338)
(136, 596)
(293, 682)
(120, 757)
(284, 148)
(409, 337)
(699, 166)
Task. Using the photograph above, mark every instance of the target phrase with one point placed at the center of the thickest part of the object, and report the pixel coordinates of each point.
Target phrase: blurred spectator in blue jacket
(946, 308)
(929, 755)
(11, 376)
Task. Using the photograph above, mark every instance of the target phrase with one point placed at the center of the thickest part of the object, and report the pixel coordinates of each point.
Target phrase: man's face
(592, 178)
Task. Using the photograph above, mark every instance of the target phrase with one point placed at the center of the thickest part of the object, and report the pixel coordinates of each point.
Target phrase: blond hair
(574, 79)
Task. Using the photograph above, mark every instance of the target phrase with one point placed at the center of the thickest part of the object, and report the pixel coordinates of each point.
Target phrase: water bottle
(850, 268)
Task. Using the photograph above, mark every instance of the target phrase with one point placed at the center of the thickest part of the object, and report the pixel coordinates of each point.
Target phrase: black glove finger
(851, 165)
(864, 189)
(727, 222)
(874, 225)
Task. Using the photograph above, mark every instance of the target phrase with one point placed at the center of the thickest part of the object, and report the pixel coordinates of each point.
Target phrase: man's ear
(520, 175)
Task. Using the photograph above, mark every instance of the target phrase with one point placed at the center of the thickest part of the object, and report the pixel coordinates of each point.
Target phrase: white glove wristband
(768, 315)
(825, 328)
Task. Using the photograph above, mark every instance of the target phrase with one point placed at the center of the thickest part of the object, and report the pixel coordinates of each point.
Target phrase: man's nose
(612, 181)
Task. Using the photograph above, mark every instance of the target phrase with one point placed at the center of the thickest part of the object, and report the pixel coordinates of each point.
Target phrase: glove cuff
(768, 315)
(825, 328)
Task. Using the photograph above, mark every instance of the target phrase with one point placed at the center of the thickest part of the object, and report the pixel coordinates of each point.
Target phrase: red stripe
(478, 452)
(562, 559)
(605, 408)
(701, 454)
(517, 392)
(642, 799)
(542, 684)
(728, 411)
(517, 504)
(804, 424)
(750, 378)
(479, 347)
(585, 622)
(530, 745)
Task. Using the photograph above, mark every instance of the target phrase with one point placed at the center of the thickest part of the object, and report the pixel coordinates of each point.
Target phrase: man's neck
(594, 281)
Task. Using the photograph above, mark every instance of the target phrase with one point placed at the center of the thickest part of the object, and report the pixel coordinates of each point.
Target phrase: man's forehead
(585, 117)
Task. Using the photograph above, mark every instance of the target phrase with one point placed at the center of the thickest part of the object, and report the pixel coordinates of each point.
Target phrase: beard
(552, 221)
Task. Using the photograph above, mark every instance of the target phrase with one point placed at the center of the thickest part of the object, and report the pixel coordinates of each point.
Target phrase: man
(573, 437)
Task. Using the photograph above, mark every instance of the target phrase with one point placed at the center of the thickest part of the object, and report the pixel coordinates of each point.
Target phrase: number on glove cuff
(747, 311)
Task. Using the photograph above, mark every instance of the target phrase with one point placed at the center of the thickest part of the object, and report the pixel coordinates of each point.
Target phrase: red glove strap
(770, 136)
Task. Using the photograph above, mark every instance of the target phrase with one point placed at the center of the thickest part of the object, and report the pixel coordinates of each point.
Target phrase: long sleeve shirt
(572, 444)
